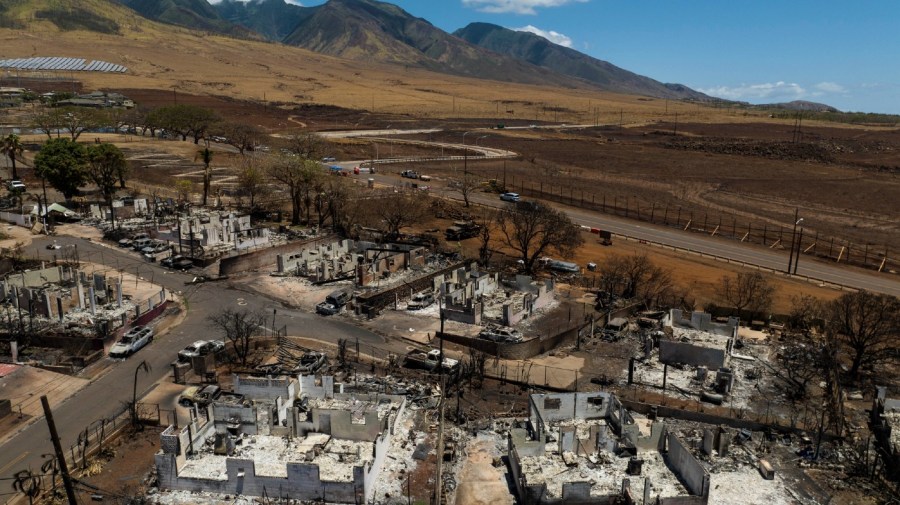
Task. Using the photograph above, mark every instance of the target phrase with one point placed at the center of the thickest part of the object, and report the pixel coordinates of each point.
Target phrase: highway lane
(106, 395)
(750, 254)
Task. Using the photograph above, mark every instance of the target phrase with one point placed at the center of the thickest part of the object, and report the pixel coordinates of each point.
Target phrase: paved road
(748, 253)
(106, 395)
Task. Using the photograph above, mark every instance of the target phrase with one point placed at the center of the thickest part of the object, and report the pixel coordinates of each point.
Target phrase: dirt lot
(844, 184)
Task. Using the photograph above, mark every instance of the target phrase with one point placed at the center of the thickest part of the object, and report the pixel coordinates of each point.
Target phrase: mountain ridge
(368, 31)
(544, 53)
(371, 30)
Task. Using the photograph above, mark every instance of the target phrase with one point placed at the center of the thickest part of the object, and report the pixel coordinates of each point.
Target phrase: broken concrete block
(766, 470)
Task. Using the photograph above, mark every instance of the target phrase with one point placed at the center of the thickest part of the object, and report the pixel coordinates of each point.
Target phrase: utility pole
(439, 450)
(60, 457)
(465, 156)
(797, 221)
(799, 250)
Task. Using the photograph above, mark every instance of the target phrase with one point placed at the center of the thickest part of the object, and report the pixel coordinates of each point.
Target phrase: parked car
(328, 159)
(183, 264)
(327, 309)
(141, 243)
(155, 248)
(168, 262)
(510, 197)
(310, 362)
(129, 241)
(420, 301)
(200, 348)
(500, 334)
(339, 297)
(199, 395)
(133, 341)
(16, 185)
(53, 245)
(409, 174)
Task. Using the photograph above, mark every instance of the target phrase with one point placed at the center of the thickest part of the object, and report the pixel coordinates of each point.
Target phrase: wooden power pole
(60, 457)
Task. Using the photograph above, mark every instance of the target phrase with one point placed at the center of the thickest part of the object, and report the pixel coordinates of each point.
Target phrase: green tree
(47, 120)
(183, 188)
(206, 157)
(106, 166)
(251, 181)
(185, 120)
(11, 146)
(62, 164)
(77, 120)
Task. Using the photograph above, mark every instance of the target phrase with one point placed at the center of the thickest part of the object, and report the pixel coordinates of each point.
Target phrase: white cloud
(775, 91)
(830, 87)
(765, 91)
(555, 37)
(516, 6)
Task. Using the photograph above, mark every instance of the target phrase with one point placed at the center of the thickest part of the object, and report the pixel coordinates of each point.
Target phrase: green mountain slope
(274, 19)
(194, 14)
(376, 31)
(90, 15)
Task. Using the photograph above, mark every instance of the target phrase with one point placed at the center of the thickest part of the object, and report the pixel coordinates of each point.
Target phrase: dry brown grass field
(163, 57)
(843, 178)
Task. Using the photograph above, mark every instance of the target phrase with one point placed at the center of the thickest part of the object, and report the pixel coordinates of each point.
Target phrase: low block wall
(690, 354)
(706, 418)
(687, 468)
(264, 258)
(371, 304)
(522, 350)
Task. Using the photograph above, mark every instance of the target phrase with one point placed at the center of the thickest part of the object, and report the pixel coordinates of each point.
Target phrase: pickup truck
(409, 174)
(429, 361)
(131, 342)
(462, 230)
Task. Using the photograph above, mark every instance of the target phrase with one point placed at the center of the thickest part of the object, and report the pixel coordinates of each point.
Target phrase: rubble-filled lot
(682, 381)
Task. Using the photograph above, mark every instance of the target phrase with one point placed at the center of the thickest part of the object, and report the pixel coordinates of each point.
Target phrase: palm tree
(11, 146)
(205, 156)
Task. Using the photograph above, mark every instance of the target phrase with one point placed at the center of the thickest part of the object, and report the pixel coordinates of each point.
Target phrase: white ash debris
(706, 338)
(399, 463)
(746, 487)
(335, 458)
(605, 477)
(195, 498)
(749, 379)
(357, 408)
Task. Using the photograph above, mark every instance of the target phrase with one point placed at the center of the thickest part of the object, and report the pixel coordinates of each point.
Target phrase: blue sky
(845, 54)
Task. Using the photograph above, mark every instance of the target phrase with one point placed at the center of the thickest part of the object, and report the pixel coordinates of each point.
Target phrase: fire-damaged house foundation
(301, 438)
(585, 448)
(365, 262)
